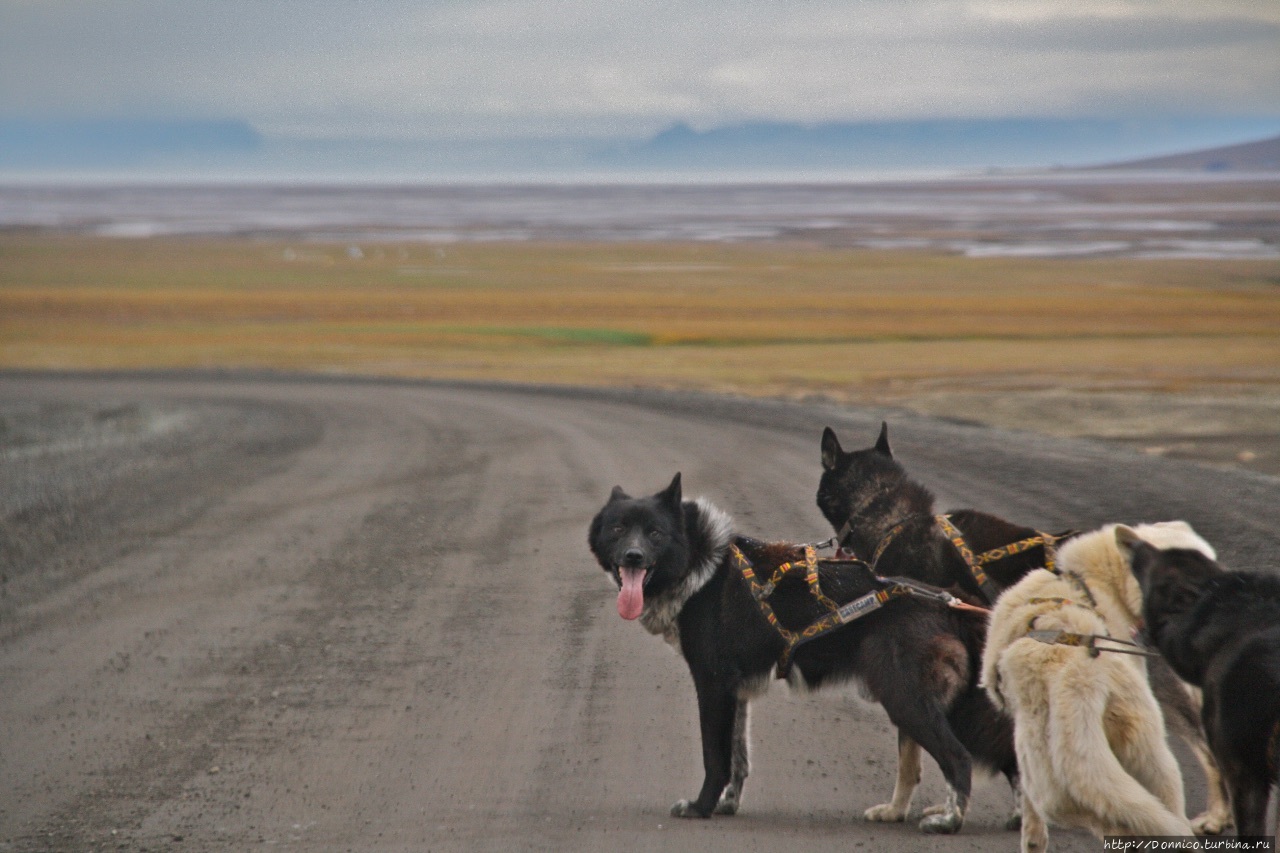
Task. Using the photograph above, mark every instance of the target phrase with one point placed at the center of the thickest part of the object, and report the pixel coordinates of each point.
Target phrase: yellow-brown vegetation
(764, 319)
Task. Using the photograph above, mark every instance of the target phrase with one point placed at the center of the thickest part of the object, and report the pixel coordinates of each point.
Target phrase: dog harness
(975, 562)
(1055, 637)
(1090, 642)
(838, 615)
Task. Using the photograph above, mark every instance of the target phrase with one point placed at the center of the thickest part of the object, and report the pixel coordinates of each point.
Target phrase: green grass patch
(557, 334)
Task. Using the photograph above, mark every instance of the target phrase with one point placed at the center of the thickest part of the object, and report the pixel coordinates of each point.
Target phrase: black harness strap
(885, 540)
(888, 538)
(1079, 582)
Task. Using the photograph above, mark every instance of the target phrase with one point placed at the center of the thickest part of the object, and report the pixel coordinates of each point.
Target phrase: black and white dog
(1221, 631)
(672, 563)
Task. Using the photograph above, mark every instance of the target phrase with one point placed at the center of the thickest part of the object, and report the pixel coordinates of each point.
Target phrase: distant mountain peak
(1018, 142)
(1262, 155)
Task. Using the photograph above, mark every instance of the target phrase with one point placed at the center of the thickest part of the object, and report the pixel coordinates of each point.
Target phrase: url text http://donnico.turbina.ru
(1157, 843)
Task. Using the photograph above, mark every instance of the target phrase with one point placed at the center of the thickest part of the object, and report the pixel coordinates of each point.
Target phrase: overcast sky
(599, 68)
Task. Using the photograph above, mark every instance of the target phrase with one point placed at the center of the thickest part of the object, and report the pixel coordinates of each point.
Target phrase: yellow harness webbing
(837, 615)
(976, 562)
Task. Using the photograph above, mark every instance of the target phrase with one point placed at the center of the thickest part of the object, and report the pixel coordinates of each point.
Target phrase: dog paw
(684, 808)
(1211, 823)
(728, 805)
(885, 813)
(1035, 841)
(942, 824)
(1014, 821)
(940, 808)
(1036, 844)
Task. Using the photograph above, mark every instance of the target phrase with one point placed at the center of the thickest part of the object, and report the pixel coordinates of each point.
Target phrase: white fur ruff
(659, 615)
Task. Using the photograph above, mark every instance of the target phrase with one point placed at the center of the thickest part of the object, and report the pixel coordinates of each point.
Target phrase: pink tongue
(631, 597)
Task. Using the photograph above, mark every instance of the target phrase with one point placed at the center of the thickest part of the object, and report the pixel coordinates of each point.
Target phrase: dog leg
(1249, 793)
(1035, 834)
(740, 764)
(717, 710)
(948, 818)
(1094, 739)
(1217, 815)
(1014, 820)
(927, 725)
(1181, 705)
(1144, 752)
(1249, 799)
(904, 787)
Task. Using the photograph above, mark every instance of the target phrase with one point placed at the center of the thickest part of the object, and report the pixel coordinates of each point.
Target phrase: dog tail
(1086, 763)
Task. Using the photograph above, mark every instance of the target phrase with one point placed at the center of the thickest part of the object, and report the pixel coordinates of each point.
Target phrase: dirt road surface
(265, 613)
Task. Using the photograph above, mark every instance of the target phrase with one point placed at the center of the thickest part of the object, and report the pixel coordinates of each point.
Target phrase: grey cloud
(1142, 35)
(606, 67)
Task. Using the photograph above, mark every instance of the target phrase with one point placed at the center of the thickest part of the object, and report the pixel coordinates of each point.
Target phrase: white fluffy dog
(1089, 735)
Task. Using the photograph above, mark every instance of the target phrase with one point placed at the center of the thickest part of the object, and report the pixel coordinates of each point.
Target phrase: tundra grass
(756, 319)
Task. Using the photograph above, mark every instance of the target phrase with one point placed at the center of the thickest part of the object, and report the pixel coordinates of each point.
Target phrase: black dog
(1221, 631)
(885, 517)
(678, 567)
(880, 512)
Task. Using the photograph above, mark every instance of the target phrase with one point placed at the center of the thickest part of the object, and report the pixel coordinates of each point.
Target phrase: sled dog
(1089, 734)
(678, 568)
(1221, 631)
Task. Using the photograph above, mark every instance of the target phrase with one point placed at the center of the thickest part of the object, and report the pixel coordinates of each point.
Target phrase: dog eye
(655, 535)
(617, 528)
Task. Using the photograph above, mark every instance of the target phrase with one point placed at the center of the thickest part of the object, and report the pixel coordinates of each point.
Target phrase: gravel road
(254, 612)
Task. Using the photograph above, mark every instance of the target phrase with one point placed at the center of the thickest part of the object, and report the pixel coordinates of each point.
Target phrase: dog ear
(831, 450)
(1127, 540)
(1137, 552)
(671, 495)
(882, 443)
(618, 495)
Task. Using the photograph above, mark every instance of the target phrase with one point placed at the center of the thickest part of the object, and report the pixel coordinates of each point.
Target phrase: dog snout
(633, 558)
